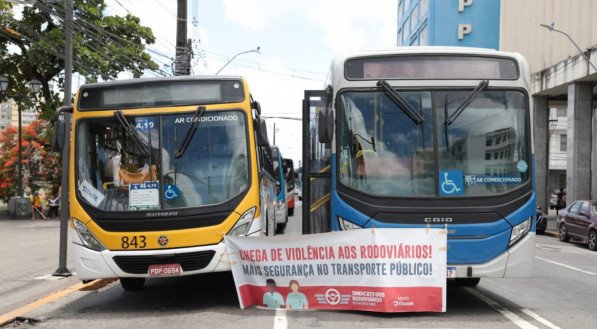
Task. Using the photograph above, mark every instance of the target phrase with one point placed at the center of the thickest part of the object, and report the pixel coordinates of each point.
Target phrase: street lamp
(552, 28)
(233, 57)
(35, 86)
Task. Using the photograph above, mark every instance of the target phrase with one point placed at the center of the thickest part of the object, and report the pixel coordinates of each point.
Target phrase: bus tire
(132, 284)
(467, 282)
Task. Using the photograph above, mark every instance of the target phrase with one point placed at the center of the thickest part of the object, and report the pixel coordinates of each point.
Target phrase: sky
(297, 38)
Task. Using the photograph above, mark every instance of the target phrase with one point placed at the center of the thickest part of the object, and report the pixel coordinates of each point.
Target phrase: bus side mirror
(61, 128)
(257, 107)
(325, 125)
(262, 139)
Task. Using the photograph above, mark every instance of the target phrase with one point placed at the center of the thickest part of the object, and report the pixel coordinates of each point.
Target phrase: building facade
(466, 23)
(563, 80)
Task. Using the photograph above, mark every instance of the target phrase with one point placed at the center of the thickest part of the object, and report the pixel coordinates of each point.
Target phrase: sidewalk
(29, 255)
(552, 229)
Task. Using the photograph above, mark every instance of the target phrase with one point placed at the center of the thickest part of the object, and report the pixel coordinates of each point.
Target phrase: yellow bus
(160, 170)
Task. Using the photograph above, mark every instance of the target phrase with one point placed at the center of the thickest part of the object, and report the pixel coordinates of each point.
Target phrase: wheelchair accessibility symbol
(451, 182)
(171, 192)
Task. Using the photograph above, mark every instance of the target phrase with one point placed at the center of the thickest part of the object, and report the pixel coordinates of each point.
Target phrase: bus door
(318, 126)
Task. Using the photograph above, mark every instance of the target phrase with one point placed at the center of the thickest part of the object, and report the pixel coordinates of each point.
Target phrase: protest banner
(381, 270)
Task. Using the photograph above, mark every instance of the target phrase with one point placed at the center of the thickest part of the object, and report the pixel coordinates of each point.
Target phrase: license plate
(164, 269)
(451, 272)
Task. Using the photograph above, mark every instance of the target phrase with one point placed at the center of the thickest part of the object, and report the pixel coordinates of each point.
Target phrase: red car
(579, 220)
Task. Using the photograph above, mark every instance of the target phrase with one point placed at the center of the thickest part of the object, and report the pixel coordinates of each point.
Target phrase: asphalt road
(561, 295)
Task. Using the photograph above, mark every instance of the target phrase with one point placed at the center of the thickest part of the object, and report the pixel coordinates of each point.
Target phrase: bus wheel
(132, 284)
(467, 282)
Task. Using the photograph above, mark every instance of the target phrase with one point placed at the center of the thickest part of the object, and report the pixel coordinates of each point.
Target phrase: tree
(103, 46)
(41, 168)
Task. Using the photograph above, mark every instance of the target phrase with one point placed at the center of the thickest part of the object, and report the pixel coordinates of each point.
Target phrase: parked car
(553, 199)
(541, 222)
(579, 221)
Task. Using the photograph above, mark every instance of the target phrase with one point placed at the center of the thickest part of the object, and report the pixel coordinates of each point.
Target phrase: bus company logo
(163, 240)
(332, 297)
(161, 213)
(439, 219)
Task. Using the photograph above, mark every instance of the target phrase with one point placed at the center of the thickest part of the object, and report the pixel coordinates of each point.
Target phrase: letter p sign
(464, 29)
(464, 3)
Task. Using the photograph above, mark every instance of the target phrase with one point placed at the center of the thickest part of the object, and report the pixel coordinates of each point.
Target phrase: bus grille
(191, 261)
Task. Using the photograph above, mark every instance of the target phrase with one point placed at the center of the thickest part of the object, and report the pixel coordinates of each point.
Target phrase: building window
(415, 42)
(497, 140)
(423, 9)
(399, 39)
(563, 142)
(495, 155)
(400, 10)
(487, 156)
(562, 112)
(423, 37)
(414, 18)
(489, 142)
(406, 30)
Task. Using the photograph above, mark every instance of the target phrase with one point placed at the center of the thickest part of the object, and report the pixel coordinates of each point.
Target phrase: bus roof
(340, 81)
(430, 50)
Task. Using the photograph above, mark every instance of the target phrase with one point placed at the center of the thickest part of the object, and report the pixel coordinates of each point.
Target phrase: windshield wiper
(131, 132)
(401, 102)
(480, 87)
(188, 136)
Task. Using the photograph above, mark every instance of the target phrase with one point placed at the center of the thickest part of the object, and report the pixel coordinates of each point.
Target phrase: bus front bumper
(517, 261)
(91, 264)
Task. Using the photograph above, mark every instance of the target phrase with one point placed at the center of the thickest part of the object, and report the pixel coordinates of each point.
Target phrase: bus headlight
(87, 238)
(520, 230)
(347, 225)
(243, 225)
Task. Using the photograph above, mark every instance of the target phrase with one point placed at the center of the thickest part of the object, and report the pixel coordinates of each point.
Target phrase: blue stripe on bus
(485, 241)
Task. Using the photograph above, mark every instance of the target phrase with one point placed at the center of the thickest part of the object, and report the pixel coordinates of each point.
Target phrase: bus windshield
(114, 174)
(482, 151)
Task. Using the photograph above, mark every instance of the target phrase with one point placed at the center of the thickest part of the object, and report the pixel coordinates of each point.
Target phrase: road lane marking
(566, 266)
(280, 320)
(539, 318)
(14, 314)
(520, 322)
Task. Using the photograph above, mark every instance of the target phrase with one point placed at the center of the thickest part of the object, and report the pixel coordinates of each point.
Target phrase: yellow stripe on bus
(325, 199)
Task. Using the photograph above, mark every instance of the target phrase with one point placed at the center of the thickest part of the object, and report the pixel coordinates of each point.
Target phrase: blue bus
(427, 137)
(281, 202)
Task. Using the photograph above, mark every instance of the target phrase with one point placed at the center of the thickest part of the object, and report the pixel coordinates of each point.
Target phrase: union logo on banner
(380, 270)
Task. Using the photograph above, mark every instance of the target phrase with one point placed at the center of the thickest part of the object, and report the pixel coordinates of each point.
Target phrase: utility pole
(182, 62)
(62, 270)
(274, 133)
